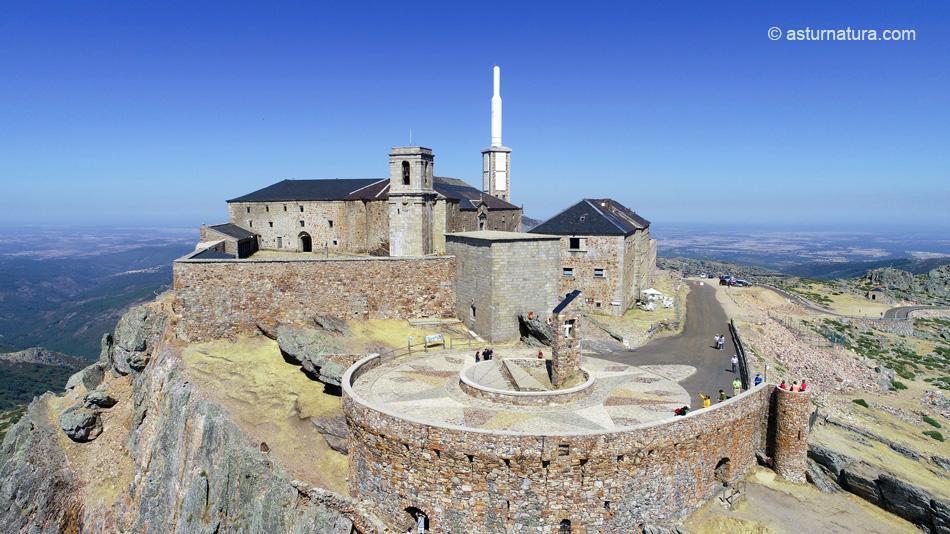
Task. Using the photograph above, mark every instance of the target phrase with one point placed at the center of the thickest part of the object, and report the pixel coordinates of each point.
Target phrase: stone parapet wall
(472, 480)
(221, 298)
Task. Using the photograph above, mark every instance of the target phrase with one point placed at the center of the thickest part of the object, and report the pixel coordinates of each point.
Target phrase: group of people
(719, 341)
(484, 354)
(795, 386)
(736, 389)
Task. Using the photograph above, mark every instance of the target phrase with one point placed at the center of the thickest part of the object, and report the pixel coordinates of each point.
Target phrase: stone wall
(469, 480)
(220, 298)
(458, 220)
(503, 279)
(600, 294)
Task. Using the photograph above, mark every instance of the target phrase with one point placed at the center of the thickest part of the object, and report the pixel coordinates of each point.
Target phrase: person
(478, 356)
(736, 386)
(758, 379)
(783, 385)
(683, 410)
(795, 385)
(540, 355)
(802, 388)
(735, 364)
(707, 402)
(716, 341)
(722, 395)
(487, 354)
(722, 341)
(421, 522)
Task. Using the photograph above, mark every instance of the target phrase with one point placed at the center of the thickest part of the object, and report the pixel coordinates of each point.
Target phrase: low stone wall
(221, 298)
(525, 398)
(471, 480)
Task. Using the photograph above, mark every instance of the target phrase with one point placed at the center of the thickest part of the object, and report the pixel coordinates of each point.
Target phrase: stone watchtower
(566, 351)
(411, 200)
(792, 412)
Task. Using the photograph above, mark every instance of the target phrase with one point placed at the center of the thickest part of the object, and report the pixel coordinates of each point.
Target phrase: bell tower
(411, 200)
(496, 159)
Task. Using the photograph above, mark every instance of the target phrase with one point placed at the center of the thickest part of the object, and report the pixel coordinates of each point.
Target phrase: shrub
(861, 402)
(934, 434)
(932, 422)
(895, 385)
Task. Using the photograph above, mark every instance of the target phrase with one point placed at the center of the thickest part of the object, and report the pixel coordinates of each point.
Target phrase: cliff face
(166, 460)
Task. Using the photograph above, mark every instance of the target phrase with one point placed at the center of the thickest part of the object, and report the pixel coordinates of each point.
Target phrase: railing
(740, 352)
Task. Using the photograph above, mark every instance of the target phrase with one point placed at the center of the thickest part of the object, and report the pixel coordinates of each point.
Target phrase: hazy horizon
(126, 114)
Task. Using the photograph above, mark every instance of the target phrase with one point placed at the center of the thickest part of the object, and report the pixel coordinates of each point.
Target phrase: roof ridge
(353, 192)
(605, 216)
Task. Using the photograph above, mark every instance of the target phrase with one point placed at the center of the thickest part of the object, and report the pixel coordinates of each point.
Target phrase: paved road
(693, 346)
(901, 312)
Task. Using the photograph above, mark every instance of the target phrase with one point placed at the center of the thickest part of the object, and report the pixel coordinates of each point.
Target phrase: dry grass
(272, 401)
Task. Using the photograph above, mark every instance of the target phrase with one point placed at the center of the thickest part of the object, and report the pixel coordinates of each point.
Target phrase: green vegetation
(20, 382)
(934, 434)
(932, 422)
(895, 385)
(861, 402)
(804, 292)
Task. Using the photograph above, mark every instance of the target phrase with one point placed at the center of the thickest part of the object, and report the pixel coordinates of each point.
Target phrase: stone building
(358, 215)
(500, 275)
(606, 253)
(230, 239)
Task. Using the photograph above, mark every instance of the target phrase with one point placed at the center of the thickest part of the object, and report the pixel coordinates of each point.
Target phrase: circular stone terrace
(426, 388)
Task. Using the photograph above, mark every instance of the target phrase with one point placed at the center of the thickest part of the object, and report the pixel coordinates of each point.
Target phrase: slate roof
(233, 230)
(467, 196)
(208, 254)
(568, 299)
(593, 217)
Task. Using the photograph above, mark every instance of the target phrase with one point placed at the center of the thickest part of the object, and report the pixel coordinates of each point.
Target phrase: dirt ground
(772, 505)
(272, 401)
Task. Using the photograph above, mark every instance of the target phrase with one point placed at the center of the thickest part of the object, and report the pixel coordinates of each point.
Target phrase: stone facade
(501, 275)
(411, 201)
(217, 299)
(469, 480)
(792, 411)
(357, 226)
(610, 270)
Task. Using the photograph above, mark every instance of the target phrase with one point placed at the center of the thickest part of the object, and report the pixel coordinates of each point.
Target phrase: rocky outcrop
(334, 430)
(933, 286)
(883, 489)
(317, 353)
(535, 332)
(41, 356)
(98, 399)
(937, 282)
(891, 279)
(91, 376)
(136, 336)
(189, 467)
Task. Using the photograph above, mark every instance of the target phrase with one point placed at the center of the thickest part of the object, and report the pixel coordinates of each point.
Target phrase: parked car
(741, 283)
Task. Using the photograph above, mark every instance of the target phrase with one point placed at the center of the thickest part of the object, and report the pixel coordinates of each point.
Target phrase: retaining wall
(469, 480)
(222, 298)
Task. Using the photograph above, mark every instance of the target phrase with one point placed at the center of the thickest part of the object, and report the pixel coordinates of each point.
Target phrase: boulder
(937, 282)
(861, 479)
(829, 459)
(535, 332)
(80, 423)
(821, 478)
(314, 351)
(334, 430)
(89, 377)
(98, 399)
(331, 324)
(136, 334)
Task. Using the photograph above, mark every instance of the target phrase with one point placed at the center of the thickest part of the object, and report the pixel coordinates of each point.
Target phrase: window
(301, 223)
(568, 271)
(600, 273)
(248, 208)
(267, 209)
(405, 173)
(280, 242)
(285, 207)
(270, 224)
(574, 243)
(334, 242)
(301, 209)
(250, 224)
(330, 222)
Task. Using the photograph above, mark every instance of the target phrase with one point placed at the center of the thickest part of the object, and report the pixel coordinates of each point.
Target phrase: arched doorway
(564, 527)
(305, 244)
(723, 471)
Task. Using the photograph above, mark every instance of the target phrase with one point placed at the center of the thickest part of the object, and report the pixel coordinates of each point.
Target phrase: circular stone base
(519, 381)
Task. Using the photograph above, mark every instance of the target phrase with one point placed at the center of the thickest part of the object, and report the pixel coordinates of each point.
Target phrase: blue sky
(688, 113)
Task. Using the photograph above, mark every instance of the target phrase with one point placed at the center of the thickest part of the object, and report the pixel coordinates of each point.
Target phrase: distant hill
(27, 373)
(856, 269)
(527, 223)
(698, 267)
